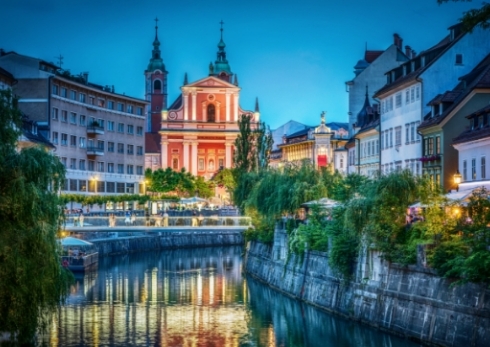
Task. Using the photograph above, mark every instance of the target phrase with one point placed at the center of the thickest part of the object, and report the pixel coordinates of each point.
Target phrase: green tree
(474, 17)
(33, 283)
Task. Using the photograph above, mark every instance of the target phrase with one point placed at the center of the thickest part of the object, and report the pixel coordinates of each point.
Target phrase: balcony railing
(92, 150)
(95, 128)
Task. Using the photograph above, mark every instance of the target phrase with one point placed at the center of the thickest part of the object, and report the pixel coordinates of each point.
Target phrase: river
(194, 298)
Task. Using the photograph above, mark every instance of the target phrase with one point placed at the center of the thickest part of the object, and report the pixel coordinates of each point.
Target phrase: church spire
(221, 66)
(156, 62)
(185, 79)
(257, 104)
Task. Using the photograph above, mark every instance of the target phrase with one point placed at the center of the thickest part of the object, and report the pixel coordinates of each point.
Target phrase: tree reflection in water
(193, 297)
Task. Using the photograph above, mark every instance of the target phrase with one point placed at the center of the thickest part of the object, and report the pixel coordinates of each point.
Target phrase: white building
(410, 87)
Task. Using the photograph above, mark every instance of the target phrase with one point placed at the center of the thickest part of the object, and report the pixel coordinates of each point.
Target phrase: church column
(186, 106)
(218, 111)
(194, 94)
(186, 155)
(228, 155)
(164, 155)
(235, 107)
(227, 107)
(194, 158)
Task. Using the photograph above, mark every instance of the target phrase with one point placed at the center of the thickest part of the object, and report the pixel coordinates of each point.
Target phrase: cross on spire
(221, 29)
(156, 22)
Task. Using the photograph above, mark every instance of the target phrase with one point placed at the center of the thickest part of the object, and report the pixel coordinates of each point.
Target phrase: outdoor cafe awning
(75, 242)
(192, 200)
(323, 203)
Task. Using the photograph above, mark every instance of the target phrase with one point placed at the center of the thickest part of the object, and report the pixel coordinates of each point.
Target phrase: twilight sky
(294, 55)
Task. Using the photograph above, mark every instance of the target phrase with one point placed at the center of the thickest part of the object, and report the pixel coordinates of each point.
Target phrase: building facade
(98, 135)
(197, 131)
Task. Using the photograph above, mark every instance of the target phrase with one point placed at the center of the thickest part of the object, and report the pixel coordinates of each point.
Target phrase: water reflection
(193, 297)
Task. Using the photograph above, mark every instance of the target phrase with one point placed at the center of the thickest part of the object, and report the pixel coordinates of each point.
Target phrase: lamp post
(457, 179)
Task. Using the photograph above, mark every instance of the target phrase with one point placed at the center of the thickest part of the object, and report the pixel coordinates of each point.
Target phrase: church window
(157, 85)
(175, 163)
(211, 113)
(221, 163)
(211, 165)
(201, 164)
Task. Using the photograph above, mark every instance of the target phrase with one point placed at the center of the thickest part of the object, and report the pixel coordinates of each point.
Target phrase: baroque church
(198, 130)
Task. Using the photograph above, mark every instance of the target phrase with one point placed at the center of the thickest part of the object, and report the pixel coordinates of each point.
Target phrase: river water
(194, 298)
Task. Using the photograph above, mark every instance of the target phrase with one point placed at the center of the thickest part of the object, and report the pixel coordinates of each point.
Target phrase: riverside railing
(156, 221)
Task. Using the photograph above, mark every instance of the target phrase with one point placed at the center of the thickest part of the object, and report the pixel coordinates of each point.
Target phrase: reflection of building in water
(180, 297)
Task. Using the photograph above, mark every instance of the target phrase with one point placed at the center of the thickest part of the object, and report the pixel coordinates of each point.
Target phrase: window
(73, 95)
(81, 142)
(139, 131)
(130, 188)
(120, 168)
(110, 125)
(157, 85)
(382, 140)
(200, 164)
(430, 146)
(63, 161)
(82, 185)
(54, 114)
(221, 163)
(130, 129)
(101, 102)
(73, 185)
(341, 163)
(64, 139)
(110, 167)
(91, 100)
(55, 137)
(73, 141)
(101, 123)
(417, 123)
(91, 186)
(398, 136)
(100, 166)
(64, 92)
(100, 186)
(412, 94)
(465, 175)
(83, 120)
(211, 113)
(398, 100)
(73, 163)
(417, 92)
(110, 146)
(483, 168)
(211, 165)
(120, 187)
(139, 170)
(55, 90)
(407, 96)
(73, 118)
(473, 169)
(139, 150)
(459, 59)
(130, 169)
(110, 187)
(81, 164)
(391, 137)
(120, 127)
(139, 111)
(64, 116)
(175, 163)
(91, 165)
(387, 143)
(438, 145)
(130, 109)
(110, 105)
(412, 132)
(407, 133)
(82, 97)
(100, 144)
(130, 149)
(120, 107)
(120, 148)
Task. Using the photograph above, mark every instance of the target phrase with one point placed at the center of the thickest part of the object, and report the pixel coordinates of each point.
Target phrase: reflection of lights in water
(199, 289)
(211, 288)
(154, 284)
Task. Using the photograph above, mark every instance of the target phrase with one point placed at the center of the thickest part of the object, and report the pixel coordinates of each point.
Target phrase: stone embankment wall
(168, 240)
(412, 302)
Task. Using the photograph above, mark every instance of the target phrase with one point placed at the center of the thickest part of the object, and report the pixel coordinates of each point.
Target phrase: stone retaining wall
(412, 302)
(168, 240)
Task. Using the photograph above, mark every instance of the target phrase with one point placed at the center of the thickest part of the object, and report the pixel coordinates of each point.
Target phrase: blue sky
(294, 55)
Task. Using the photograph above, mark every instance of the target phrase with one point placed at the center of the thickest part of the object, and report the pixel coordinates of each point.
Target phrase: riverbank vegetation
(32, 281)
(371, 214)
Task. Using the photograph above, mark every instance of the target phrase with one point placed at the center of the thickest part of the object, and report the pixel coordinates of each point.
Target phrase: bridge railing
(157, 221)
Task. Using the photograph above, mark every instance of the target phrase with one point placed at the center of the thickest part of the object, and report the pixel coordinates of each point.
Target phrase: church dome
(360, 66)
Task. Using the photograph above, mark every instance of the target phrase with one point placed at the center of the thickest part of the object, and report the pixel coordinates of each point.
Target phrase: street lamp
(457, 179)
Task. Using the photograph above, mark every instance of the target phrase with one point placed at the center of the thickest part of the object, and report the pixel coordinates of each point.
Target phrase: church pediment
(211, 82)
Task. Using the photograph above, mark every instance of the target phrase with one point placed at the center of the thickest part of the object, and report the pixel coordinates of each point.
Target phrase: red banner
(322, 160)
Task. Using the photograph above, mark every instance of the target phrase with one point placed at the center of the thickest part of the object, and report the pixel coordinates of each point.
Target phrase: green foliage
(89, 200)
(474, 17)
(225, 178)
(33, 282)
(344, 250)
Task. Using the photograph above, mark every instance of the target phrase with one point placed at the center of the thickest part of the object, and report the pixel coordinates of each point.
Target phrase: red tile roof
(371, 56)
(152, 143)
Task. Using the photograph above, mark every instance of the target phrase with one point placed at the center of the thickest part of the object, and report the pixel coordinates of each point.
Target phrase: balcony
(95, 129)
(92, 150)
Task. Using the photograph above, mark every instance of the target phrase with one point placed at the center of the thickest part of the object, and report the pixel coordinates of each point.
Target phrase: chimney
(408, 52)
(112, 89)
(397, 40)
(414, 54)
(85, 77)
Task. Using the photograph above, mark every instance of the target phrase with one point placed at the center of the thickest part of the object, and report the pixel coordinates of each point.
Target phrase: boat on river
(79, 255)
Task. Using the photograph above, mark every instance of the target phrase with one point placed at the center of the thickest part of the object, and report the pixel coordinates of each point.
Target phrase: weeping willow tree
(32, 281)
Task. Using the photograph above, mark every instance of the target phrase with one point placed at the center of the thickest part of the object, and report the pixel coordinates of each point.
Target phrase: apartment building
(98, 134)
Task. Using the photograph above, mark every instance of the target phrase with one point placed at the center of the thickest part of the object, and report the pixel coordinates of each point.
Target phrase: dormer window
(441, 108)
(459, 59)
(480, 121)
(404, 70)
(475, 123)
(432, 111)
(412, 65)
(422, 61)
(393, 76)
